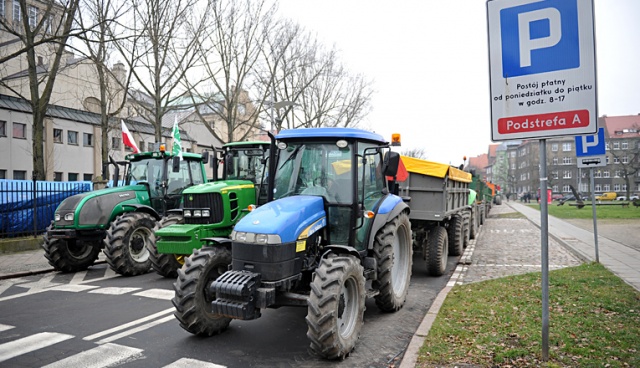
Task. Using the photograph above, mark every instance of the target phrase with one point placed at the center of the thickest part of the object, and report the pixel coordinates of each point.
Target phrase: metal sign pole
(544, 227)
(593, 207)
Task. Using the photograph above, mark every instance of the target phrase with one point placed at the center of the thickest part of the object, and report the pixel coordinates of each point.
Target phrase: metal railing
(27, 206)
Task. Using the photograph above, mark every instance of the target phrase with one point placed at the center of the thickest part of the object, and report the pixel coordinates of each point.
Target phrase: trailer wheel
(466, 229)
(455, 234)
(394, 256)
(436, 251)
(193, 297)
(473, 224)
(166, 264)
(482, 213)
(70, 255)
(335, 312)
(127, 243)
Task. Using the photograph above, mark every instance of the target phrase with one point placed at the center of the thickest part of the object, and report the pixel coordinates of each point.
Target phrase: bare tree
(627, 160)
(415, 152)
(163, 53)
(100, 18)
(35, 40)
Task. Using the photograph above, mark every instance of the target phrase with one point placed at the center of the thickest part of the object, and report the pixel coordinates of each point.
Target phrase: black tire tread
(165, 264)
(116, 246)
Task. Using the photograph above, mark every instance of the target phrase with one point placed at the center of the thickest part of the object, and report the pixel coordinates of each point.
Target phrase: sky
(429, 63)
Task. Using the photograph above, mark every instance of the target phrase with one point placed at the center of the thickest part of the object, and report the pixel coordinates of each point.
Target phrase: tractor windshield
(246, 164)
(315, 168)
(151, 171)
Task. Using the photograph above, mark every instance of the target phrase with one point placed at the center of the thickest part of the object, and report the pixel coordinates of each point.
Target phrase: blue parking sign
(591, 144)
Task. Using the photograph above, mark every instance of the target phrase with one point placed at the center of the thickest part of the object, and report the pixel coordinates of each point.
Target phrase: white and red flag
(127, 138)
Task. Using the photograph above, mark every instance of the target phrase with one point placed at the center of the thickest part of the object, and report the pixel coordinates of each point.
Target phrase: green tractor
(210, 210)
(121, 219)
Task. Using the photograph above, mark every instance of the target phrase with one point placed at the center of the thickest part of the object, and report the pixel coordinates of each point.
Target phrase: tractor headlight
(262, 238)
(56, 217)
(186, 213)
(240, 236)
(69, 217)
(197, 213)
(245, 237)
(206, 213)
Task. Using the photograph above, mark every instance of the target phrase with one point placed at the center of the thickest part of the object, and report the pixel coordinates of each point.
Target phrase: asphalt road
(98, 319)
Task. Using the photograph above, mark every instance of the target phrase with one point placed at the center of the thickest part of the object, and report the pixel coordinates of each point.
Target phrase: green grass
(594, 321)
(602, 212)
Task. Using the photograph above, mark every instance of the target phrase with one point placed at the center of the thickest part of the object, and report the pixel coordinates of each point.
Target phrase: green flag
(177, 144)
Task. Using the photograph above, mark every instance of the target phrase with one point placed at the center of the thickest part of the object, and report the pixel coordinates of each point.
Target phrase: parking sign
(542, 68)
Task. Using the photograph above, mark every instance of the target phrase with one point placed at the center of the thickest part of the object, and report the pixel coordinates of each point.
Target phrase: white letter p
(524, 35)
(586, 145)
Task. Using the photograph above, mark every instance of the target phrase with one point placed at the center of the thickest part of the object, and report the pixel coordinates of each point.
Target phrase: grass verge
(594, 321)
(602, 212)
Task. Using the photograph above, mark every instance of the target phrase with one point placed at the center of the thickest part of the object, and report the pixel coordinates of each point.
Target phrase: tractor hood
(96, 206)
(221, 186)
(287, 217)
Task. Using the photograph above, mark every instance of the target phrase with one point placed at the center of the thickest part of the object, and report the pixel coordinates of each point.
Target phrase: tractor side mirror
(175, 164)
(205, 157)
(391, 163)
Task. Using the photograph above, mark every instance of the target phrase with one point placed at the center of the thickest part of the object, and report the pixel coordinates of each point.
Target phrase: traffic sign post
(543, 84)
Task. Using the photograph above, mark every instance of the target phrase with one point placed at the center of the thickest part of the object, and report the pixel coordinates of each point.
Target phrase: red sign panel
(544, 122)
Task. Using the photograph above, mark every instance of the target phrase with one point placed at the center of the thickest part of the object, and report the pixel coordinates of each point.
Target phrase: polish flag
(127, 138)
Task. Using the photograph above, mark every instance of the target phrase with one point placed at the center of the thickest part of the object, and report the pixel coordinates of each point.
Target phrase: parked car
(632, 197)
(557, 196)
(606, 196)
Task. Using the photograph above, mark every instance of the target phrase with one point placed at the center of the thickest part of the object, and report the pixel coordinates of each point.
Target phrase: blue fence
(27, 206)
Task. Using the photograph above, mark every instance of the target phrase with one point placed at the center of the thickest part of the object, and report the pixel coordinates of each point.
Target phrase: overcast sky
(429, 63)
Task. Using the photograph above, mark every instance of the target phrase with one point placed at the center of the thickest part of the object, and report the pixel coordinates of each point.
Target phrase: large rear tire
(455, 234)
(394, 256)
(70, 255)
(336, 307)
(436, 251)
(193, 297)
(128, 241)
(473, 226)
(466, 229)
(166, 264)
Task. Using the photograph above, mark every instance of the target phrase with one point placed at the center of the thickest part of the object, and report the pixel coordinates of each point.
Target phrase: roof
(21, 105)
(479, 162)
(330, 133)
(622, 126)
(492, 149)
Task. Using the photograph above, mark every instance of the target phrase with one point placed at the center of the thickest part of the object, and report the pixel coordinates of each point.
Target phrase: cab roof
(352, 133)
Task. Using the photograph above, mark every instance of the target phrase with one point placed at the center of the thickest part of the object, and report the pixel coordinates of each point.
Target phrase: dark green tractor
(121, 219)
(210, 211)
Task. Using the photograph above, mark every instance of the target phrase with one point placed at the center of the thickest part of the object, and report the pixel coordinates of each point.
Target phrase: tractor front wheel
(193, 296)
(335, 311)
(128, 241)
(70, 255)
(166, 264)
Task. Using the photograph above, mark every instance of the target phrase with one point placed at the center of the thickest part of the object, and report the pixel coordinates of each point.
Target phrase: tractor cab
(248, 161)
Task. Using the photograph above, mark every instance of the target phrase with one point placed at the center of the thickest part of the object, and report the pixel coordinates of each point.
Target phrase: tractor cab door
(371, 190)
(189, 173)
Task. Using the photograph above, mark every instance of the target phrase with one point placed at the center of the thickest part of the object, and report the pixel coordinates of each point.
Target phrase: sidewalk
(509, 244)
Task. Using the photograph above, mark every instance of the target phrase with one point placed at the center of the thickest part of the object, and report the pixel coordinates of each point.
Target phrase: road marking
(192, 363)
(78, 277)
(73, 288)
(136, 330)
(30, 343)
(127, 325)
(106, 355)
(113, 290)
(43, 283)
(157, 294)
(5, 327)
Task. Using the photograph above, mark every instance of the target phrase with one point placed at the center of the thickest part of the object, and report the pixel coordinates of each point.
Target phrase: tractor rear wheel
(456, 235)
(436, 251)
(473, 226)
(70, 255)
(394, 256)
(128, 241)
(336, 306)
(166, 264)
(193, 296)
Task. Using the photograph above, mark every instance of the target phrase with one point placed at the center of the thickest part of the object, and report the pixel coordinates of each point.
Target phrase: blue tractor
(332, 236)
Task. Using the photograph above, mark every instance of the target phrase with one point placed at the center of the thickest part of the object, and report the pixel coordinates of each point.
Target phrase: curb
(15, 245)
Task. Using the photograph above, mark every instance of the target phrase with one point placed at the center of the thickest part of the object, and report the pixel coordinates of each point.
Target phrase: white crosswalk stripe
(193, 363)
(127, 325)
(157, 294)
(107, 355)
(5, 327)
(31, 343)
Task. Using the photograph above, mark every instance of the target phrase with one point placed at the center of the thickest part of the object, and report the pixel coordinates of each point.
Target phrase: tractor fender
(142, 208)
(224, 242)
(288, 217)
(391, 206)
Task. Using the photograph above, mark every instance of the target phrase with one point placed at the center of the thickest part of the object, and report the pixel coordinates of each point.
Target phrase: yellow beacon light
(395, 139)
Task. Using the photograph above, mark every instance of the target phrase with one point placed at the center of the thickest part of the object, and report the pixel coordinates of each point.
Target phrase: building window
(3, 174)
(72, 137)
(57, 176)
(606, 188)
(625, 145)
(73, 176)
(57, 135)
(607, 159)
(19, 130)
(115, 142)
(87, 177)
(606, 174)
(3, 125)
(33, 16)
(617, 174)
(566, 174)
(624, 187)
(554, 147)
(19, 175)
(598, 174)
(87, 139)
(566, 188)
(554, 174)
(566, 147)
(616, 160)
(16, 10)
(555, 161)
(141, 146)
(616, 145)
(2, 11)
(48, 27)
(616, 187)
(149, 147)
(625, 160)
(567, 160)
